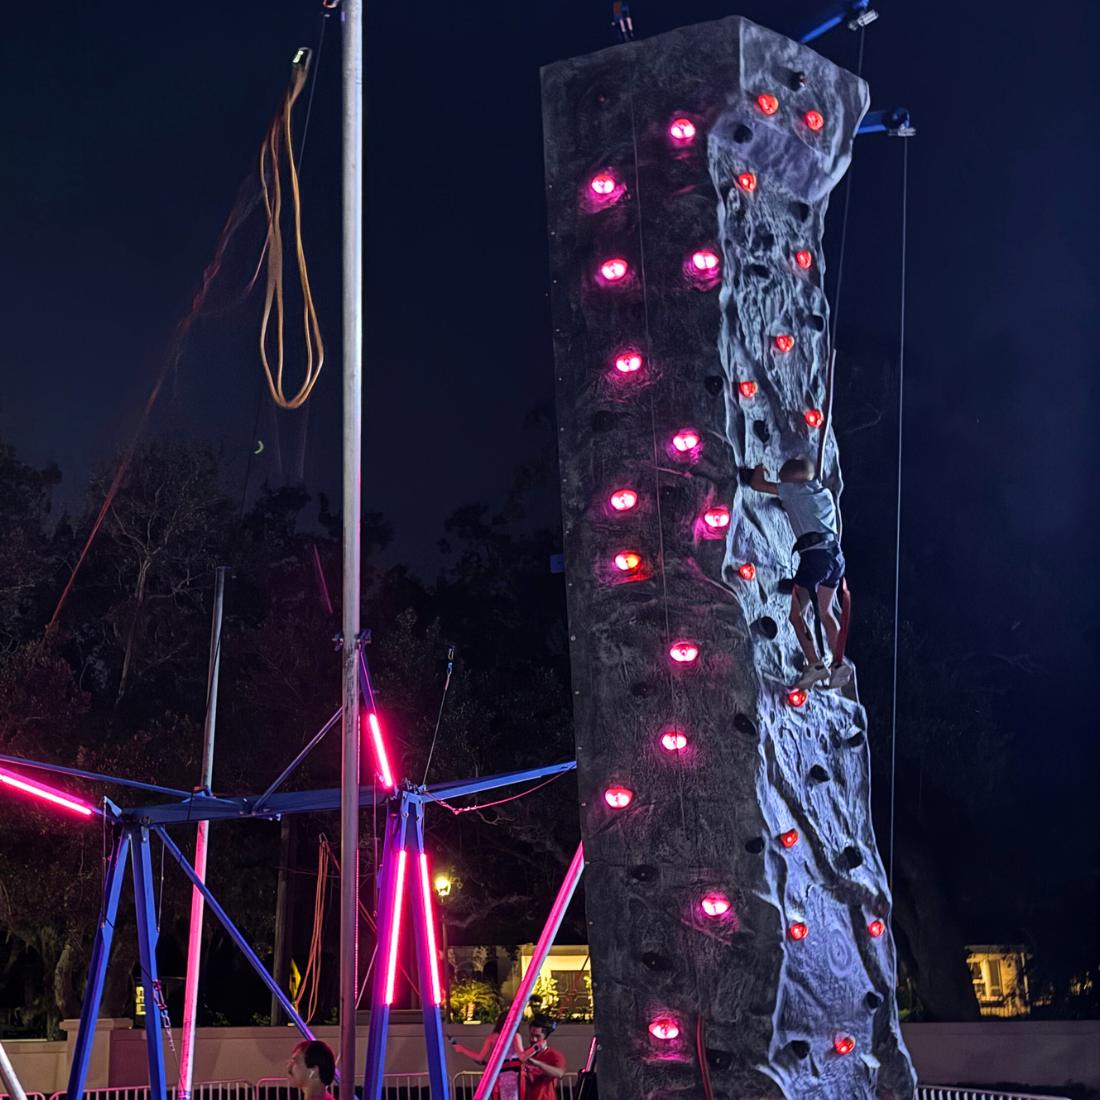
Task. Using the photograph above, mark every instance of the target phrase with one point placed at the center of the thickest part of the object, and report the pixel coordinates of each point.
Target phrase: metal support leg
(389, 927)
(428, 963)
(235, 935)
(97, 968)
(145, 906)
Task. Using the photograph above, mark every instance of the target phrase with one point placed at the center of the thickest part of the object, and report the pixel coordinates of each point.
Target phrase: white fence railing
(205, 1090)
(948, 1092)
(464, 1085)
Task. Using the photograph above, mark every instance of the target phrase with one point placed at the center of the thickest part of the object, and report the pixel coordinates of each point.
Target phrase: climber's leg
(815, 666)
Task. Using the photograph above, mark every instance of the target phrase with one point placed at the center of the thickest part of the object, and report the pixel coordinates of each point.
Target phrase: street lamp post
(444, 884)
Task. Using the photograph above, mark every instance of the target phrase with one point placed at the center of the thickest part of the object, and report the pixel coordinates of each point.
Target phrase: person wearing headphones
(544, 1067)
(312, 1068)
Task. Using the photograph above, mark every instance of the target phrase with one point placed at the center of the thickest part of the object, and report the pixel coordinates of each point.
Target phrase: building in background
(999, 974)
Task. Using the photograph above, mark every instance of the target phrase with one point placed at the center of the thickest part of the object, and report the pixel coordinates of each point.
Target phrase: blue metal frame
(397, 819)
(148, 933)
(97, 969)
(833, 16)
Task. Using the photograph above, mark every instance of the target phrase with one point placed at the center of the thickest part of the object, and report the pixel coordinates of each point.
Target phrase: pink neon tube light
(47, 794)
(381, 757)
(395, 929)
(429, 930)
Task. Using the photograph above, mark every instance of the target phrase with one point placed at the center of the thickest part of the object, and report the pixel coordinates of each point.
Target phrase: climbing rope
(311, 979)
(277, 148)
(897, 530)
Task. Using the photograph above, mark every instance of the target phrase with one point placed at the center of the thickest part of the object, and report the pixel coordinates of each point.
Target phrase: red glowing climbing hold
(686, 439)
(804, 259)
(814, 417)
(789, 839)
(614, 269)
(814, 119)
(682, 131)
(627, 362)
(876, 929)
(844, 1044)
(747, 389)
(784, 342)
(665, 1028)
(715, 905)
(747, 181)
(603, 183)
(627, 561)
(622, 500)
(618, 798)
(674, 741)
(704, 260)
(717, 518)
(798, 931)
(683, 653)
(747, 571)
(797, 697)
(767, 103)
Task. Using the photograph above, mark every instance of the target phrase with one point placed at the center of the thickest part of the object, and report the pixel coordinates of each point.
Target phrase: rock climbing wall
(736, 900)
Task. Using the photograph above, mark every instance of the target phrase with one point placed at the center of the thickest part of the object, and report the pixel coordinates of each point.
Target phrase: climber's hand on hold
(761, 484)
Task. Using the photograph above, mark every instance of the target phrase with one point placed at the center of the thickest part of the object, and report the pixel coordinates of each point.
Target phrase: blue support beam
(439, 791)
(292, 766)
(894, 121)
(80, 773)
(202, 807)
(839, 11)
(145, 906)
(235, 935)
(97, 968)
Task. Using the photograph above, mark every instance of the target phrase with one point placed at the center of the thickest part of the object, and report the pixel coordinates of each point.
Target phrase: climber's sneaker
(814, 674)
(841, 675)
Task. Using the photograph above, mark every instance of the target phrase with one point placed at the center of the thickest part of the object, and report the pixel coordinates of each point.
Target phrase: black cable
(439, 716)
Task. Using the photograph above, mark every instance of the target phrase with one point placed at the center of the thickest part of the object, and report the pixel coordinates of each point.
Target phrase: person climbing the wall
(812, 514)
(621, 20)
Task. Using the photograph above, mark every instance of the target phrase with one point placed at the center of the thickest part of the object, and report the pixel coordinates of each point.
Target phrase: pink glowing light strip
(395, 928)
(47, 794)
(429, 930)
(542, 949)
(380, 755)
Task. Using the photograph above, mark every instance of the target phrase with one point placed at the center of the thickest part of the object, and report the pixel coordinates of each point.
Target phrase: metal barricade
(203, 1090)
(129, 1092)
(949, 1092)
(464, 1085)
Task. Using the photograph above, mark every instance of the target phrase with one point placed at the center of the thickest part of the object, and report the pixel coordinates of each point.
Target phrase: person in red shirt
(543, 1066)
(312, 1068)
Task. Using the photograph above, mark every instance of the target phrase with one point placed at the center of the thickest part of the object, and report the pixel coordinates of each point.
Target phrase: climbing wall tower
(737, 903)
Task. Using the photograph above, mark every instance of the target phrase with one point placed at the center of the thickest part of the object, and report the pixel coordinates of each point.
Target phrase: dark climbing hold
(656, 962)
(855, 740)
(799, 1048)
(744, 724)
(742, 134)
(603, 421)
(761, 271)
(851, 857)
(719, 1059)
(817, 322)
(872, 1000)
(760, 430)
(796, 81)
(785, 586)
(766, 240)
(715, 384)
(818, 773)
(754, 846)
(766, 626)
(645, 872)
(800, 210)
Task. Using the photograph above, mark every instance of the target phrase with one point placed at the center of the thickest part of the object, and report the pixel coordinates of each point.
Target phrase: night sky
(129, 129)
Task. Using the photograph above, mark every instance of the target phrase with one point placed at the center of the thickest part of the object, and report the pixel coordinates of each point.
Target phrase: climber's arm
(761, 484)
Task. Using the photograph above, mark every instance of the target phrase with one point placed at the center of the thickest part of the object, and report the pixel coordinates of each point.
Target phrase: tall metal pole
(352, 50)
(202, 840)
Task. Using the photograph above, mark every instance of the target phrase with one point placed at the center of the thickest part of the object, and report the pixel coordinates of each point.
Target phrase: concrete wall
(1022, 1052)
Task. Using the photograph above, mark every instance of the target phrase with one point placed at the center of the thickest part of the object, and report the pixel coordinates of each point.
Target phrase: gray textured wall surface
(766, 1009)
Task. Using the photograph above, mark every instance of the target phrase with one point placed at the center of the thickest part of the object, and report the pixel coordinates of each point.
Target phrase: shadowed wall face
(733, 878)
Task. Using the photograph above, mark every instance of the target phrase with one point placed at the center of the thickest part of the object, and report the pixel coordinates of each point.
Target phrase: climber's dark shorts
(819, 567)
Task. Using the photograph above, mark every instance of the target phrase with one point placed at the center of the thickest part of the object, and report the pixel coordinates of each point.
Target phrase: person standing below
(312, 1068)
(544, 1067)
(482, 1056)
